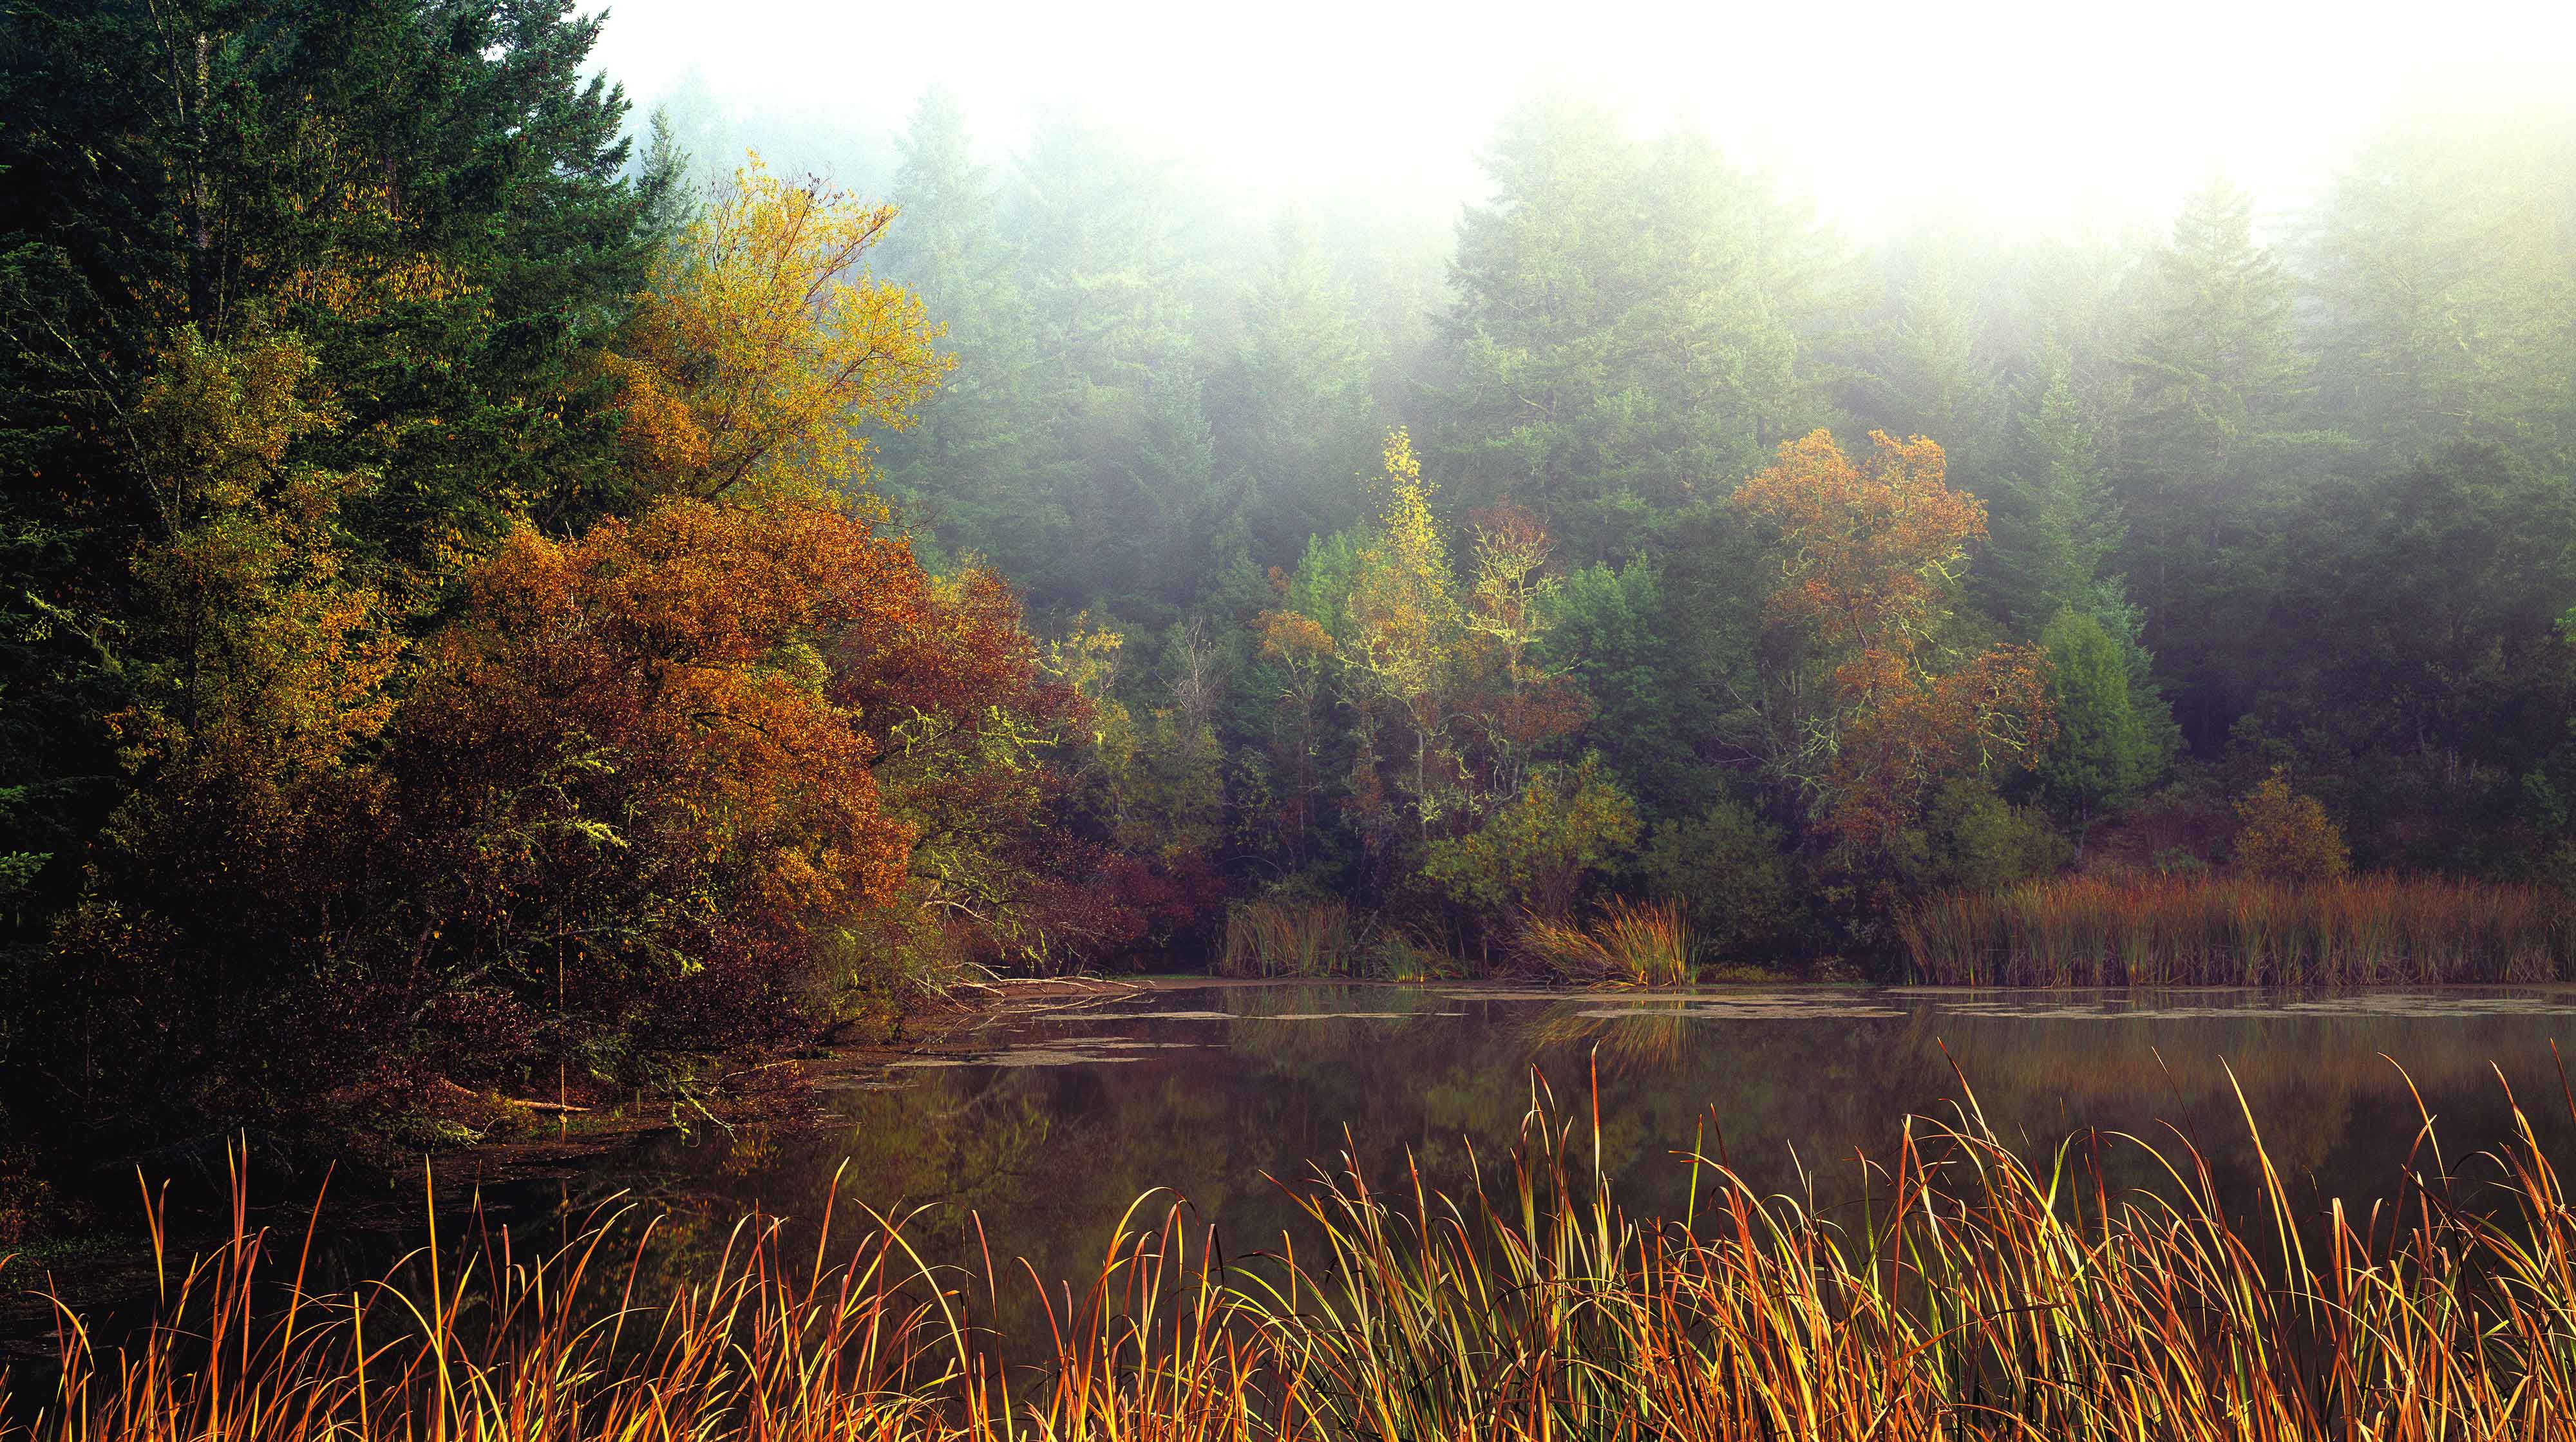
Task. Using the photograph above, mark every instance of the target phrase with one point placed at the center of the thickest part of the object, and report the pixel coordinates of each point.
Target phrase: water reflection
(1055, 1121)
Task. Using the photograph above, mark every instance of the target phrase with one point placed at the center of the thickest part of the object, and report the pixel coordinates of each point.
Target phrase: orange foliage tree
(974, 729)
(1864, 710)
(622, 760)
(702, 771)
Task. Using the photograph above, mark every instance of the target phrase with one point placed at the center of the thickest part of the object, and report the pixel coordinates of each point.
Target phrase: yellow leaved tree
(764, 346)
(2286, 834)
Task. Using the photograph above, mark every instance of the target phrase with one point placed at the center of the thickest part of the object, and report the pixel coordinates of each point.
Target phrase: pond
(1049, 1120)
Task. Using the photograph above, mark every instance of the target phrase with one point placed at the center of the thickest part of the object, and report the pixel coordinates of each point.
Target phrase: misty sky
(2027, 112)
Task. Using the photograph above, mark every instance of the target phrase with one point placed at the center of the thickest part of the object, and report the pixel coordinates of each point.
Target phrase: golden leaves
(1293, 639)
(278, 655)
(1868, 557)
(2285, 834)
(1867, 552)
(763, 346)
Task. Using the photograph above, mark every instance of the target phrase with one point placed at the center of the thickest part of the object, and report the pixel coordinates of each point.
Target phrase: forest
(503, 587)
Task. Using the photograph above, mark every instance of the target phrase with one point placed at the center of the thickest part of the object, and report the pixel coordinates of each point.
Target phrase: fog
(2024, 113)
(507, 599)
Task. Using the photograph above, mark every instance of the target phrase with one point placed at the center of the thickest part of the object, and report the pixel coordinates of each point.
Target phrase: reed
(1637, 943)
(1983, 1293)
(1290, 938)
(2148, 930)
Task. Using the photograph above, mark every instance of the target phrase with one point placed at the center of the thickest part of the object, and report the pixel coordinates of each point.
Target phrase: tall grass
(1980, 1296)
(1984, 1294)
(1644, 945)
(1290, 938)
(2145, 930)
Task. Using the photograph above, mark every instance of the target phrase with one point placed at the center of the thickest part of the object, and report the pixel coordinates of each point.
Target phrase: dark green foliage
(1619, 633)
(2196, 484)
(1725, 867)
(431, 195)
(2309, 476)
(1973, 840)
(2055, 523)
(975, 464)
(2439, 262)
(2416, 657)
(1296, 429)
(1624, 330)
(2210, 447)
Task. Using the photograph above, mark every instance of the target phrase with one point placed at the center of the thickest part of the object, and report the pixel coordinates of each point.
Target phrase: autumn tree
(1404, 621)
(1537, 850)
(762, 348)
(1293, 653)
(1864, 707)
(623, 759)
(440, 214)
(2284, 833)
(259, 668)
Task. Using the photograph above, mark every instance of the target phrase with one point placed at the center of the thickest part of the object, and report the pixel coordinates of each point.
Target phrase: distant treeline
(2258, 527)
(485, 609)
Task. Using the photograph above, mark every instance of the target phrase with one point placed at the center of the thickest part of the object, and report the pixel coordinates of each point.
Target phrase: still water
(1049, 1120)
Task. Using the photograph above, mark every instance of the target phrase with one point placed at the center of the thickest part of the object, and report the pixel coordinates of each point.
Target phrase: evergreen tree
(973, 464)
(432, 197)
(1930, 378)
(1295, 426)
(2104, 752)
(2054, 519)
(1620, 337)
(2207, 444)
(2440, 261)
(1098, 226)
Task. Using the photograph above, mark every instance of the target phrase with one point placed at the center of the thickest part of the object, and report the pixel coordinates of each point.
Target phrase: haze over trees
(497, 586)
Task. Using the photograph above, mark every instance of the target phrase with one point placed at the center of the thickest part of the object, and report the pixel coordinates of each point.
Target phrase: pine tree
(2105, 751)
(2441, 258)
(2207, 442)
(2055, 522)
(1097, 224)
(436, 201)
(1622, 331)
(1930, 378)
(974, 465)
(1294, 422)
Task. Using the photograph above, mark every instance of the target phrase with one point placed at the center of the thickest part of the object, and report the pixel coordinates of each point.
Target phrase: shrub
(1538, 849)
(1724, 869)
(1972, 838)
(2285, 834)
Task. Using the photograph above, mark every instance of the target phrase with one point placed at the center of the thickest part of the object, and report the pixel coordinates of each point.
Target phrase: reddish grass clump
(2151, 930)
